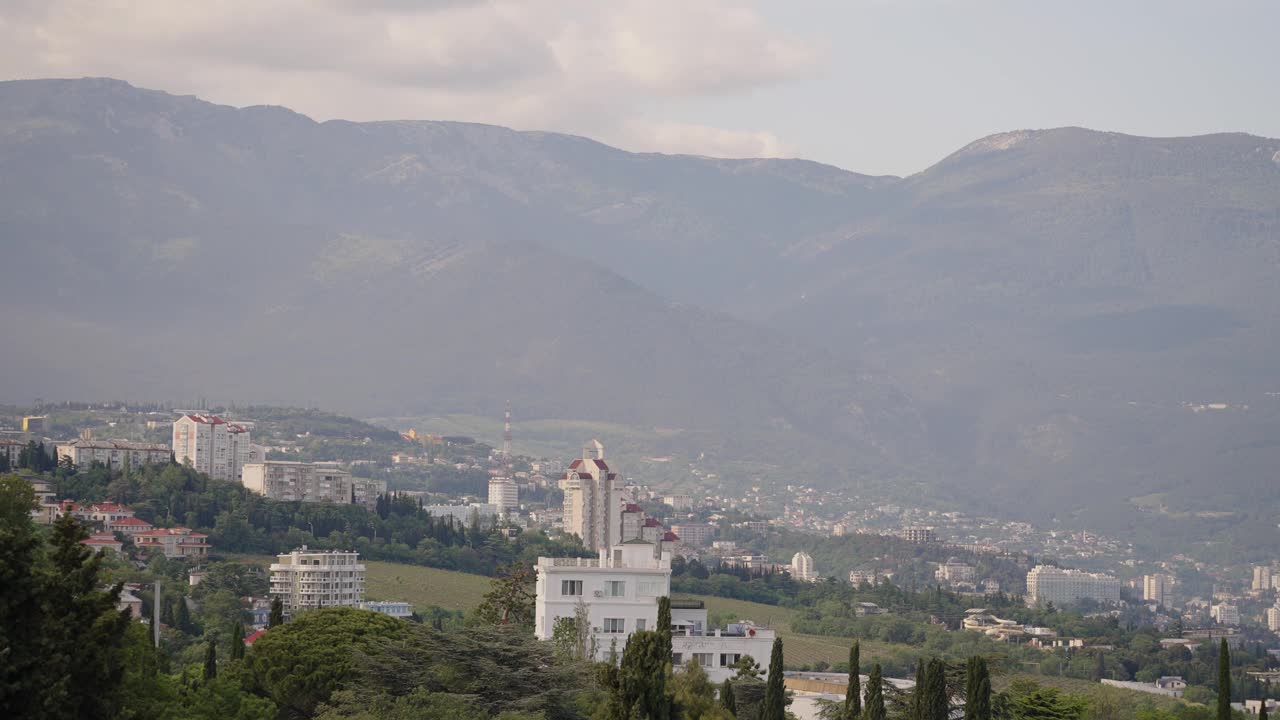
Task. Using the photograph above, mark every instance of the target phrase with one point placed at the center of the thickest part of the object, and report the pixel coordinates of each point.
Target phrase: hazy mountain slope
(173, 248)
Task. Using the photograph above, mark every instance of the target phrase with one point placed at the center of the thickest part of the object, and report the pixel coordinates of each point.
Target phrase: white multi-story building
(1273, 619)
(695, 534)
(1049, 584)
(177, 543)
(311, 579)
(679, 503)
(593, 500)
(311, 482)
(211, 445)
(618, 594)
(462, 514)
(1157, 588)
(504, 494)
(1225, 614)
(115, 454)
(1262, 577)
(920, 535)
(954, 571)
(802, 567)
(394, 608)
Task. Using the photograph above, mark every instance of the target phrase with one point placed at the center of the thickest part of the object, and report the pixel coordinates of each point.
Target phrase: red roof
(108, 507)
(131, 521)
(652, 522)
(670, 537)
(253, 637)
(632, 507)
(575, 463)
(206, 419)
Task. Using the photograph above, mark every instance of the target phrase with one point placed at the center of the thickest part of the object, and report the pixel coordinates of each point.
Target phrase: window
(677, 659)
(614, 625)
(615, 588)
(570, 587)
(649, 588)
(704, 659)
(639, 624)
(728, 659)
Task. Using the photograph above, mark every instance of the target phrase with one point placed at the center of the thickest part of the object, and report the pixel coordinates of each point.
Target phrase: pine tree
(726, 697)
(20, 613)
(211, 660)
(664, 625)
(874, 708)
(936, 705)
(276, 618)
(237, 641)
(774, 705)
(1224, 681)
(853, 692)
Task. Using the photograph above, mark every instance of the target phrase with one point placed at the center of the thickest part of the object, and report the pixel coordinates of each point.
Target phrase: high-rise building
(311, 482)
(593, 500)
(504, 494)
(1262, 577)
(695, 534)
(311, 579)
(1049, 584)
(802, 567)
(1273, 619)
(211, 445)
(1157, 588)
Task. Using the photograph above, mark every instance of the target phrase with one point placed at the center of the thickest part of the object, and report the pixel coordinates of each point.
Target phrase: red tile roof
(652, 522)
(131, 521)
(670, 537)
(253, 637)
(108, 507)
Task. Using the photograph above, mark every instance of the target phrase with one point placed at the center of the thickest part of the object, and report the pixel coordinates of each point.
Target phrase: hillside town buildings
(954, 571)
(802, 567)
(1048, 584)
(115, 454)
(920, 535)
(617, 594)
(311, 579)
(177, 543)
(211, 445)
(311, 482)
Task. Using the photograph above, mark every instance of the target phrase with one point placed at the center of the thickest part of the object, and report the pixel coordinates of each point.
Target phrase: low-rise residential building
(394, 608)
(128, 526)
(1060, 586)
(462, 513)
(310, 579)
(1169, 686)
(178, 543)
(954, 571)
(103, 541)
(311, 482)
(617, 594)
(920, 535)
(871, 577)
(115, 454)
(10, 449)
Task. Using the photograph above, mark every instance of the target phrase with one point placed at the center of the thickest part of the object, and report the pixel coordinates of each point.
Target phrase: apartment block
(177, 543)
(695, 534)
(211, 445)
(504, 494)
(311, 482)
(593, 500)
(1048, 584)
(115, 454)
(312, 579)
(1157, 588)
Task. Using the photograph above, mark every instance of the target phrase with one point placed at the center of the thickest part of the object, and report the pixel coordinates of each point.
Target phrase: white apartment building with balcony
(312, 579)
(619, 592)
(311, 482)
(504, 494)
(211, 445)
(1049, 584)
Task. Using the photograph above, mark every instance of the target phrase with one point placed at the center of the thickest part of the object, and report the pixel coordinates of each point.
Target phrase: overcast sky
(877, 86)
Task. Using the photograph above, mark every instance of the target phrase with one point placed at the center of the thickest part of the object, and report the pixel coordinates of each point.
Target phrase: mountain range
(1063, 323)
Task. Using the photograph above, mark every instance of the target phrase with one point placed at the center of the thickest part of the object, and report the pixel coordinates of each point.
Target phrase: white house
(619, 594)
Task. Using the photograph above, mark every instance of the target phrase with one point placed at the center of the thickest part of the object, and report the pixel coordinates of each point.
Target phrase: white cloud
(581, 66)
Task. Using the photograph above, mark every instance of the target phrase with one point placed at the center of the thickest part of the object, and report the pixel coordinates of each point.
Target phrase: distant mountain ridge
(1036, 310)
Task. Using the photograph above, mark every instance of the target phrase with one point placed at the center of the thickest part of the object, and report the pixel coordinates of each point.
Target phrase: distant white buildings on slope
(802, 567)
(1048, 584)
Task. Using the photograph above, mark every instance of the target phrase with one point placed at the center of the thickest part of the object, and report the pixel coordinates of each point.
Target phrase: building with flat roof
(1061, 586)
(311, 579)
(618, 594)
(177, 543)
(1157, 588)
(920, 535)
(695, 534)
(311, 482)
(504, 494)
(115, 454)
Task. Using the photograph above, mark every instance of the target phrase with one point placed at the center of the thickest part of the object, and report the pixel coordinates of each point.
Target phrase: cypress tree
(853, 693)
(211, 660)
(182, 616)
(774, 705)
(277, 613)
(915, 710)
(1262, 711)
(1100, 671)
(237, 641)
(642, 678)
(1224, 681)
(936, 705)
(977, 688)
(726, 697)
(664, 625)
(874, 708)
